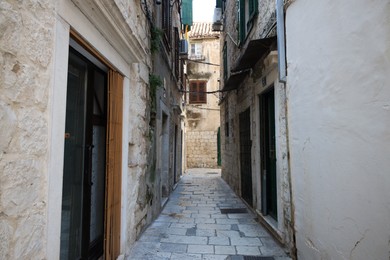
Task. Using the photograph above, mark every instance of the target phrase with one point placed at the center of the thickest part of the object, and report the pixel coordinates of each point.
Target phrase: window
(196, 51)
(198, 92)
(247, 10)
(221, 4)
(177, 42)
(166, 23)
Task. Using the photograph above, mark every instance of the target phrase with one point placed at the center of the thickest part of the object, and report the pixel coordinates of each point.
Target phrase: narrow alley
(196, 224)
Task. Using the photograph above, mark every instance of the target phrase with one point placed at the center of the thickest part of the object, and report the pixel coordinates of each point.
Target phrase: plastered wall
(338, 56)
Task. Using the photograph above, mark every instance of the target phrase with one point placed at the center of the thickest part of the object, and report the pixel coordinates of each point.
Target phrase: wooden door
(268, 154)
(246, 157)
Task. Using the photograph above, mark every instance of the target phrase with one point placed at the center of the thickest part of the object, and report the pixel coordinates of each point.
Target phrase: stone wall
(262, 78)
(201, 149)
(26, 53)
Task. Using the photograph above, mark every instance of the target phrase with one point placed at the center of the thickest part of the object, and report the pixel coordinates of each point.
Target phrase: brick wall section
(201, 149)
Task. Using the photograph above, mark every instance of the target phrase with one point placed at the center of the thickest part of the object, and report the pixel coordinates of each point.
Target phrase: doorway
(84, 175)
(268, 154)
(245, 156)
(165, 157)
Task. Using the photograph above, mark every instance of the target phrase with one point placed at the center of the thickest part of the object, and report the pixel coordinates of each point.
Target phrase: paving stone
(191, 225)
(253, 230)
(177, 256)
(223, 241)
(201, 216)
(176, 231)
(245, 241)
(203, 249)
(186, 220)
(228, 233)
(182, 225)
(205, 221)
(173, 248)
(206, 232)
(191, 231)
(223, 250)
(272, 250)
(185, 240)
(227, 221)
(248, 250)
(214, 226)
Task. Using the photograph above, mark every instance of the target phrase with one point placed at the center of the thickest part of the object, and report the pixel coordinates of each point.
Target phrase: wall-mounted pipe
(281, 40)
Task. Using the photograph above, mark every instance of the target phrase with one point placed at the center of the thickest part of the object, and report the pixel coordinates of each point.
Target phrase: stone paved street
(191, 226)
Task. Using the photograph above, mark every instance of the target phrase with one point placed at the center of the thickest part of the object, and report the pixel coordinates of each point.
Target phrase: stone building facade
(253, 115)
(202, 110)
(79, 168)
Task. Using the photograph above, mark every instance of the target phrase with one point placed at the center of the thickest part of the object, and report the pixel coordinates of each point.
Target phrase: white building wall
(338, 55)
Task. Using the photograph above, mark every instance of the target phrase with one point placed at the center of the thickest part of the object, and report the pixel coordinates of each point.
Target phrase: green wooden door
(268, 154)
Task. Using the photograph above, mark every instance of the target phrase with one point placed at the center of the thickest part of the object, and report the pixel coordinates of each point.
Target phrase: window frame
(166, 22)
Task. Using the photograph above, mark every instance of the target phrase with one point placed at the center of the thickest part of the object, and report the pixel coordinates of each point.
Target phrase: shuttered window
(247, 10)
(197, 92)
(166, 23)
(177, 42)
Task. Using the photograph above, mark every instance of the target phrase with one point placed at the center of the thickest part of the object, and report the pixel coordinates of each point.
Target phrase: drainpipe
(281, 42)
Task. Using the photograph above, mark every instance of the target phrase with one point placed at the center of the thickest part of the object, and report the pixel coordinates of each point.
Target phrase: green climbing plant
(154, 83)
(155, 38)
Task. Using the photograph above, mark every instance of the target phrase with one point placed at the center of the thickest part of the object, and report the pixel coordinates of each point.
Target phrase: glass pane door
(72, 197)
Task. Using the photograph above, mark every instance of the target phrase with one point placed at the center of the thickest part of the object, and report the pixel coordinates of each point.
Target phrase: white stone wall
(34, 40)
(201, 149)
(26, 53)
(338, 56)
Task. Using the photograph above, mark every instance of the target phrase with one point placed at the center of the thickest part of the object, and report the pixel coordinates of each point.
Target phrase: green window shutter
(186, 12)
(253, 7)
(242, 23)
(218, 4)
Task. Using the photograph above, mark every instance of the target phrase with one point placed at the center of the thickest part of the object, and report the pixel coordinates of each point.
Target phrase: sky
(203, 10)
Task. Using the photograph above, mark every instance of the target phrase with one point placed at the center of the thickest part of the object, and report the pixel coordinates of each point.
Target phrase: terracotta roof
(202, 30)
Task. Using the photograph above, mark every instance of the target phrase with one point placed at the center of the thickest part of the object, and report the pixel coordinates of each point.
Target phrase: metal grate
(258, 257)
(247, 257)
(212, 173)
(233, 210)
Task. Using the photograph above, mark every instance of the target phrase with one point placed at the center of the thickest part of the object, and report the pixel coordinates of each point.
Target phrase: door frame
(113, 188)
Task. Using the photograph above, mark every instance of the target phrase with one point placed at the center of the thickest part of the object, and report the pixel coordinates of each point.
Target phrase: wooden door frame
(113, 189)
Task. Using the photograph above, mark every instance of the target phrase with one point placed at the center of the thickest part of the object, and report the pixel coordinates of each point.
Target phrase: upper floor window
(196, 51)
(198, 92)
(176, 44)
(166, 22)
(247, 10)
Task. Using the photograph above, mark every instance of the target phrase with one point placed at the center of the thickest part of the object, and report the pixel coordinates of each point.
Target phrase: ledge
(109, 21)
